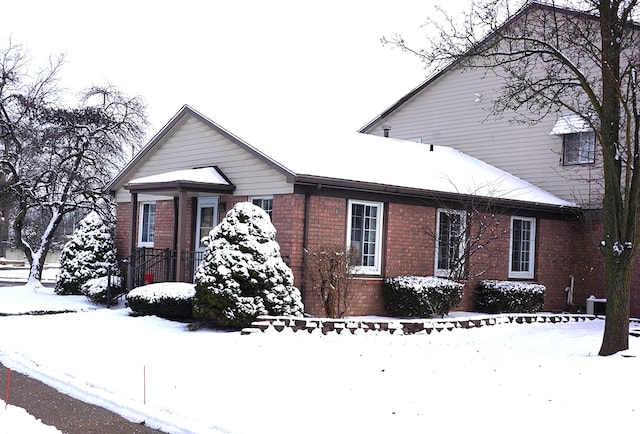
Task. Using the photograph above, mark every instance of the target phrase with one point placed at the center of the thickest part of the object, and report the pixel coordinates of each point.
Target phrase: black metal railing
(147, 265)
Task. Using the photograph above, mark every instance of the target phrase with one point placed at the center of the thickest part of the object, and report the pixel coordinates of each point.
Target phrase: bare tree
(56, 159)
(582, 57)
(465, 232)
(330, 272)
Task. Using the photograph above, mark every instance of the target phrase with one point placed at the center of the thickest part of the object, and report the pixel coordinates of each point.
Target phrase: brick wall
(123, 219)
(288, 218)
(164, 224)
(563, 248)
(556, 259)
(409, 243)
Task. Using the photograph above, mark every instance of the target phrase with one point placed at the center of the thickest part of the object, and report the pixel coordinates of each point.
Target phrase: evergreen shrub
(421, 296)
(242, 274)
(497, 296)
(89, 253)
(172, 300)
(96, 289)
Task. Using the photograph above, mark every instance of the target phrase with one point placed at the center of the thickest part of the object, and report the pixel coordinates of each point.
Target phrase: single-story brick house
(400, 204)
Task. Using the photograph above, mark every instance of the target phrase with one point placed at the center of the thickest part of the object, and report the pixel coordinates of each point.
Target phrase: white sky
(275, 64)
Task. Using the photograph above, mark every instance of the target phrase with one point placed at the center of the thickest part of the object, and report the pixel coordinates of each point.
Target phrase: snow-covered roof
(353, 161)
(570, 123)
(205, 175)
(391, 163)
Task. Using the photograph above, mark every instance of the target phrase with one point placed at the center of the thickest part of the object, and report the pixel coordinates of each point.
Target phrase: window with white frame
(522, 247)
(146, 222)
(578, 138)
(578, 148)
(450, 239)
(364, 235)
(266, 203)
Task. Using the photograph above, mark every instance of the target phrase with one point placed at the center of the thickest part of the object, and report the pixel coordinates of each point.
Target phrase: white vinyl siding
(522, 247)
(364, 235)
(194, 144)
(446, 113)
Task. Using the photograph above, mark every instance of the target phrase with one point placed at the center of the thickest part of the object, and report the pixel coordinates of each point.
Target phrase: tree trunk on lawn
(616, 329)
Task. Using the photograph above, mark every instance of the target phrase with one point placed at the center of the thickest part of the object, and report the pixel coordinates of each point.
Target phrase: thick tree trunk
(616, 329)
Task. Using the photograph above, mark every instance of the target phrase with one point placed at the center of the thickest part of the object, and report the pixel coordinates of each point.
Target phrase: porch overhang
(180, 184)
(193, 181)
(173, 188)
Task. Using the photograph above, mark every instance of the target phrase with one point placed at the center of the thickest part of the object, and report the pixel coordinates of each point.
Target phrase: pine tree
(90, 253)
(242, 274)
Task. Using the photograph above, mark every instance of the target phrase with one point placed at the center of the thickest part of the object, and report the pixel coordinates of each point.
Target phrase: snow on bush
(89, 253)
(96, 289)
(242, 274)
(498, 296)
(420, 296)
(166, 300)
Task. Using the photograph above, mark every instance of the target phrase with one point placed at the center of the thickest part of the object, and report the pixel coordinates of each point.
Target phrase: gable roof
(528, 6)
(362, 162)
(186, 111)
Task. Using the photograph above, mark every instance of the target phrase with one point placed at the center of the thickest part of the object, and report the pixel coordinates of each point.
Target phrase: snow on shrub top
(88, 254)
(425, 283)
(161, 291)
(507, 287)
(98, 285)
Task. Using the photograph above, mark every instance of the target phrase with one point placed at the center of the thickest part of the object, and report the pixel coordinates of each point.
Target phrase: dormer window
(578, 140)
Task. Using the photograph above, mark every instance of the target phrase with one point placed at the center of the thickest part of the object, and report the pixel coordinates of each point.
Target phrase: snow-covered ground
(20, 274)
(499, 379)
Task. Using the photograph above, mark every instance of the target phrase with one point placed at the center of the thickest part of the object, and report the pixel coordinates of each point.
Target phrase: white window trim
(252, 198)
(532, 252)
(442, 272)
(581, 159)
(377, 269)
(140, 220)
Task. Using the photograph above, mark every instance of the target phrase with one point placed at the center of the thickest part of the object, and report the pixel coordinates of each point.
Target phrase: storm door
(206, 219)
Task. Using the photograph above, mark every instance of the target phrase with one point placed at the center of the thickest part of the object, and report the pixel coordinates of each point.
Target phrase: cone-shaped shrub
(89, 254)
(242, 274)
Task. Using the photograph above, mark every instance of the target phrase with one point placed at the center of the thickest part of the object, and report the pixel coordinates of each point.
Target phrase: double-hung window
(266, 203)
(522, 247)
(578, 148)
(578, 139)
(450, 239)
(147, 222)
(364, 235)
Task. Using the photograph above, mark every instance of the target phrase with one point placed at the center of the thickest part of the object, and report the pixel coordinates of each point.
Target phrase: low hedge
(96, 289)
(420, 296)
(172, 300)
(497, 296)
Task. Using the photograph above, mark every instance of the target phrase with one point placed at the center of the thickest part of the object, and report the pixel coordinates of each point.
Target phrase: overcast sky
(279, 64)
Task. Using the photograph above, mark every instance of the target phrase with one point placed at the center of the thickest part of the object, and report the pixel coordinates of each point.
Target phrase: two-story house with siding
(558, 153)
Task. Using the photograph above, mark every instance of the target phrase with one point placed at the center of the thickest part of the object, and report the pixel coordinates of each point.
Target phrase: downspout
(305, 244)
(569, 291)
(132, 239)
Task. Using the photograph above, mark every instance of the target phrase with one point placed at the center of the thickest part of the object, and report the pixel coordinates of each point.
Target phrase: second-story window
(579, 148)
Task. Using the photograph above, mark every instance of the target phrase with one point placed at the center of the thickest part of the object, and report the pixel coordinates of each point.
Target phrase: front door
(206, 219)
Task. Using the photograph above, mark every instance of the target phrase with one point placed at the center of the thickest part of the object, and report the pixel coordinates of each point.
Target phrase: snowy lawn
(522, 377)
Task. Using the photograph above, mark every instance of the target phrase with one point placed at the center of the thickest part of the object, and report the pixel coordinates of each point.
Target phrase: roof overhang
(199, 180)
(367, 187)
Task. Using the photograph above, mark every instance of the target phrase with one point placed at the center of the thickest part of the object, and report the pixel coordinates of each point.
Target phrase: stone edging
(403, 326)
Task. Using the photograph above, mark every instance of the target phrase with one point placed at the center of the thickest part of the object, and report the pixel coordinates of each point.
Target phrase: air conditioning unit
(596, 306)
